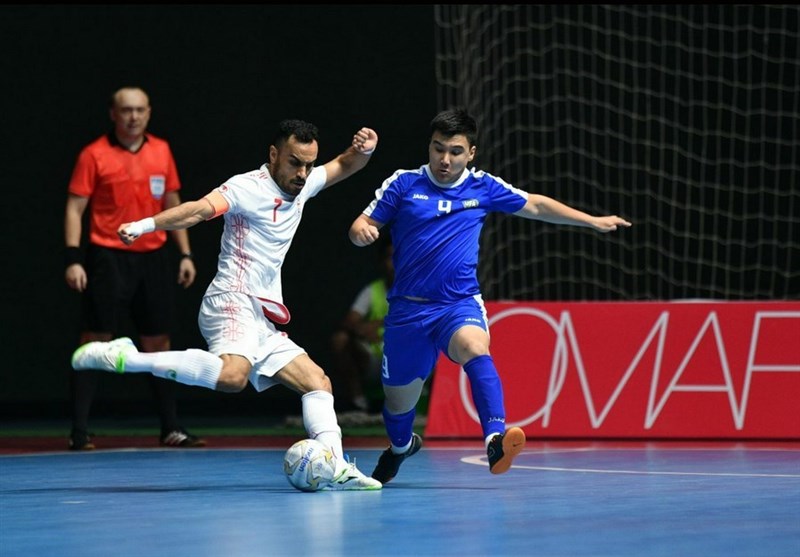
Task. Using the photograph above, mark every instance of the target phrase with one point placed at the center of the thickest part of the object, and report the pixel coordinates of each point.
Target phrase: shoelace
(347, 470)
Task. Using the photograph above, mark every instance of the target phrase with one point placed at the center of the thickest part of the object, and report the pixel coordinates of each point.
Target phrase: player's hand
(365, 235)
(125, 234)
(186, 272)
(365, 141)
(129, 231)
(75, 275)
(607, 224)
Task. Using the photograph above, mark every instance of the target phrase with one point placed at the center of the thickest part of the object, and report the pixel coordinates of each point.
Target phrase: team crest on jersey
(158, 184)
(470, 203)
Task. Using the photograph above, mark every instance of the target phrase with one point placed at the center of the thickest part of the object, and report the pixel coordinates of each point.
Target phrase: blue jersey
(436, 229)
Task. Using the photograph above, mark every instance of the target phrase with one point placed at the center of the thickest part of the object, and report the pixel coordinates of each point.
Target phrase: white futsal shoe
(351, 479)
(106, 356)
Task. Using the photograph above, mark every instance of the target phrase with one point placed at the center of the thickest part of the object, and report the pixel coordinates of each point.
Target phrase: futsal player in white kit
(262, 210)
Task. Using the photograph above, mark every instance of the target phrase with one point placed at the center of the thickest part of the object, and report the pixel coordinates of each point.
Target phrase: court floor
(559, 499)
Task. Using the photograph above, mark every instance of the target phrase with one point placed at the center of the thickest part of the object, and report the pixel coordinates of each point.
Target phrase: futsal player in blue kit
(435, 214)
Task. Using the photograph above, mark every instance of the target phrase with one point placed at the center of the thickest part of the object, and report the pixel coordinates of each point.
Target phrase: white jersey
(260, 224)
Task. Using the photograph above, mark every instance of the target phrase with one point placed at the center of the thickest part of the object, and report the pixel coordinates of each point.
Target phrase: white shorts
(234, 323)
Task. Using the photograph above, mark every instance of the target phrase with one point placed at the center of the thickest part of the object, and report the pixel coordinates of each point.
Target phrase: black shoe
(80, 440)
(180, 438)
(503, 448)
(389, 463)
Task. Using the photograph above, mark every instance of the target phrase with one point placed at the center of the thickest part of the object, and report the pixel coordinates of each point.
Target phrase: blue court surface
(559, 499)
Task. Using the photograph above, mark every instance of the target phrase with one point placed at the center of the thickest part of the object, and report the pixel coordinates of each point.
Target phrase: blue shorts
(416, 332)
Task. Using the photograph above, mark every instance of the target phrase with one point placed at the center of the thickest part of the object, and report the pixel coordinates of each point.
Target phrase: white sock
(321, 424)
(489, 439)
(190, 367)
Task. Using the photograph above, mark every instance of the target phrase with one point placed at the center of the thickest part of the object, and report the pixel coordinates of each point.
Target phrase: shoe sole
(353, 488)
(513, 443)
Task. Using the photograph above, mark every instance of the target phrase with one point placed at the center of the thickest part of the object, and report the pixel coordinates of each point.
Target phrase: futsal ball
(309, 465)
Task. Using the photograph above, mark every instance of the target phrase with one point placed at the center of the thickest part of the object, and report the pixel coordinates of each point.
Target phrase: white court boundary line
(477, 460)
(482, 460)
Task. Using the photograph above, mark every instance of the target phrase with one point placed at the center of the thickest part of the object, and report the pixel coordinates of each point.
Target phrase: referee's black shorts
(124, 284)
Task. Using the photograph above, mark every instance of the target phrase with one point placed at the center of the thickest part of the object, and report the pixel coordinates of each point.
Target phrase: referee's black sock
(164, 395)
(83, 385)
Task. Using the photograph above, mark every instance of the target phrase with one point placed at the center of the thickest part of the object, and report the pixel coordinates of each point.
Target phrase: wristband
(140, 227)
(368, 153)
(187, 255)
(72, 255)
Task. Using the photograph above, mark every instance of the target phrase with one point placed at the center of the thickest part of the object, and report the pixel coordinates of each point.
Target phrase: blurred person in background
(357, 345)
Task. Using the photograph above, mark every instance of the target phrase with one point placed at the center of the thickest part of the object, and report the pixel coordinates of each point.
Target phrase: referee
(125, 175)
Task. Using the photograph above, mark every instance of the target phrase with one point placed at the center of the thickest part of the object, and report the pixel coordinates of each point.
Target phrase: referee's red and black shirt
(124, 187)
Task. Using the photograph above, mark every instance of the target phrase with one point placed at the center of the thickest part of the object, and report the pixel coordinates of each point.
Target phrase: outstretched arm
(364, 230)
(354, 158)
(541, 207)
(180, 217)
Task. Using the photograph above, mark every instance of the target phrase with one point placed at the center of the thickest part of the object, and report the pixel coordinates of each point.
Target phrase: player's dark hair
(455, 121)
(302, 131)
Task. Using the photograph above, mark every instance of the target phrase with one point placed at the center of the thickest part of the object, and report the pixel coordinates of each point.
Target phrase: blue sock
(399, 427)
(487, 394)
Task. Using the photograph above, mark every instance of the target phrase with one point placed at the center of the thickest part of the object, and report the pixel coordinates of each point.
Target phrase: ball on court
(309, 465)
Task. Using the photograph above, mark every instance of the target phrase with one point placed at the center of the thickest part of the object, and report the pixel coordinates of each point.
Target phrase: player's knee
(403, 399)
(470, 350)
(314, 381)
(323, 383)
(231, 381)
(155, 343)
(397, 407)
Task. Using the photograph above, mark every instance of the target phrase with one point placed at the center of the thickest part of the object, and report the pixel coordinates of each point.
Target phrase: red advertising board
(635, 370)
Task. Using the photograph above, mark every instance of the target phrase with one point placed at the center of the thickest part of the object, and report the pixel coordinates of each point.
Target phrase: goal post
(683, 119)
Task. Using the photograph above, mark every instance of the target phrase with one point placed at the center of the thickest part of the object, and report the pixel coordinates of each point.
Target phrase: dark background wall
(219, 79)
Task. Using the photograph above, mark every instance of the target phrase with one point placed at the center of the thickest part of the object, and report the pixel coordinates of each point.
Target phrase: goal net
(683, 119)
